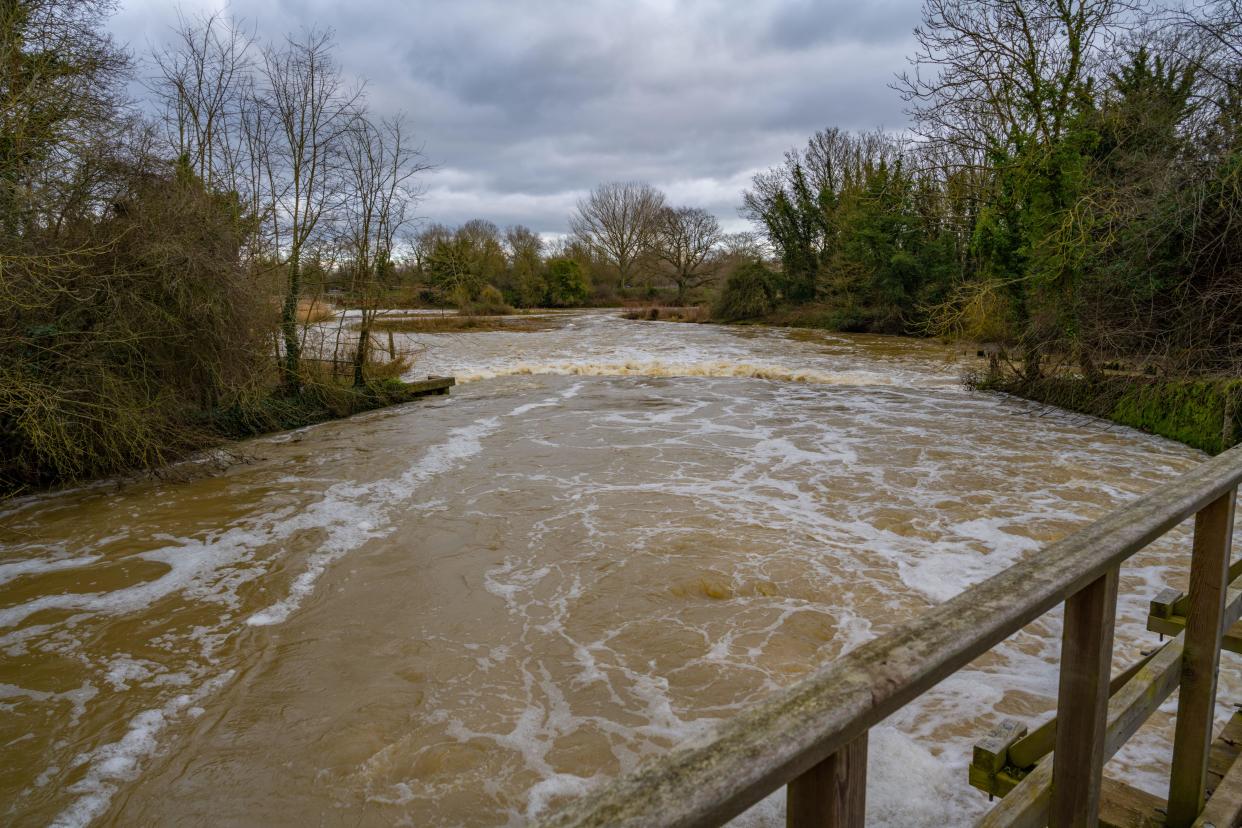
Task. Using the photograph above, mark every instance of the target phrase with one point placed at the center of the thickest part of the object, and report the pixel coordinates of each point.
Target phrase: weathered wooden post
(1196, 703)
(832, 794)
(1082, 702)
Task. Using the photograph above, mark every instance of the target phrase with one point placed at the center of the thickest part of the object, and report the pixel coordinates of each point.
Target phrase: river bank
(1201, 412)
(269, 412)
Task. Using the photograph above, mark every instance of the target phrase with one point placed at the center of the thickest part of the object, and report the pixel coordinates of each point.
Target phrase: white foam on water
(350, 514)
(355, 513)
(781, 455)
(37, 566)
(123, 671)
(790, 465)
(110, 765)
(657, 368)
(191, 563)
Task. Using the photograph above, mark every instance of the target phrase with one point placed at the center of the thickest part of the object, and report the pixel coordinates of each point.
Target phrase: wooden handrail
(802, 726)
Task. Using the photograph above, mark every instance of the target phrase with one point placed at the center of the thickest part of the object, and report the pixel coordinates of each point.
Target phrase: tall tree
(309, 109)
(203, 79)
(526, 282)
(685, 241)
(381, 163)
(618, 221)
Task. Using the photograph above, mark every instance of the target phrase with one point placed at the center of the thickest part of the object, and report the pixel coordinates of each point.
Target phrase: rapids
(610, 537)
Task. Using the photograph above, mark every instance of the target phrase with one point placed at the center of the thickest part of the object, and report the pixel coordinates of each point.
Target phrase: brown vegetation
(311, 311)
(656, 313)
(465, 324)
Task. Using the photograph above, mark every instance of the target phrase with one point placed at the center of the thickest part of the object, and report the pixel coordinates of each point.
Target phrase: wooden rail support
(1082, 702)
(832, 794)
(1196, 703)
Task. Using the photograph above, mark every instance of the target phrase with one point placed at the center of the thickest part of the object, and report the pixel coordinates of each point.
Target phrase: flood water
(611, 536)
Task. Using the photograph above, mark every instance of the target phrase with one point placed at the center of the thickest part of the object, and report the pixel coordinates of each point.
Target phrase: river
(610, 537)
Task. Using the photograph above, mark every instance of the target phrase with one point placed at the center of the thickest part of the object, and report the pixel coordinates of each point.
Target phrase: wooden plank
(1226, 748)
(1082, 702)
(833, 794)
(1125, 806)
(1230, 641)
(1224, 805)
(1183, 600)
(431, 385)
(992, 750)
(757, 751)
(1196, 702)
(1027, 803)
(1028, 750)
(1162, 605)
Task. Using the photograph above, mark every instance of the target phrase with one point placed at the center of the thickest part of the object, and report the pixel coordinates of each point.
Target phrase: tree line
(625, 242)
(1071, 191)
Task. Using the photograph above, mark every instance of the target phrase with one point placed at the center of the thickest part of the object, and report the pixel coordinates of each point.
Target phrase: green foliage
(567, 284)
(857, 232)
(1100, 222)
(532, 289)
(489, 302)
(748, 293)
(1205, 414)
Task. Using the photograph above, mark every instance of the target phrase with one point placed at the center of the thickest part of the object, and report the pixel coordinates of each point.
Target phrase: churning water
(611, 537)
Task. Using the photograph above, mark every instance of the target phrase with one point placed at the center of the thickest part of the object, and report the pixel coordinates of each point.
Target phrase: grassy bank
(1202, 413)
(198, 430)
(313, 404)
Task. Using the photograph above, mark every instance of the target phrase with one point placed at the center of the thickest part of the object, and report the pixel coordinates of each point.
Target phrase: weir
(812, 736)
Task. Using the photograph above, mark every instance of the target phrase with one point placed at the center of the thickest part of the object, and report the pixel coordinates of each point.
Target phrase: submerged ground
(611, 536)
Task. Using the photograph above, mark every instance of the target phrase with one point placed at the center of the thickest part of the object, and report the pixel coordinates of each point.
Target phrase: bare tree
(381, 164)
(202, 79)
(618, 222)
(685, 241)
(987, 72)
(741, 245)
(424, 243)
(308, 109)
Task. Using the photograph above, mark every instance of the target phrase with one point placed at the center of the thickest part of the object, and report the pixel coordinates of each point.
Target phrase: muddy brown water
(612, 536)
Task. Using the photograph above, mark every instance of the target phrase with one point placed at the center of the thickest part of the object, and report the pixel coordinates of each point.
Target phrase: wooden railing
(812, 736)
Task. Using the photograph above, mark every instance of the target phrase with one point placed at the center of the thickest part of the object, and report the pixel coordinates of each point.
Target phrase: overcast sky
(524, 106)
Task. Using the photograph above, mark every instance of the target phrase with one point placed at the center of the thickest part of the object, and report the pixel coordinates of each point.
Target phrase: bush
(117, 334)
(532, 290)
(748, 293)
(490, 302)
(567, 284)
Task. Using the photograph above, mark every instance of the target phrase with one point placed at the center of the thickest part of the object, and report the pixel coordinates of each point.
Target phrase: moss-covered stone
(1202, 413)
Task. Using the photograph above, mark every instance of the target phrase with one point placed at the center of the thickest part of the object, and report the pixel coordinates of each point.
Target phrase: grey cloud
(802, 23)
(526, 105)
